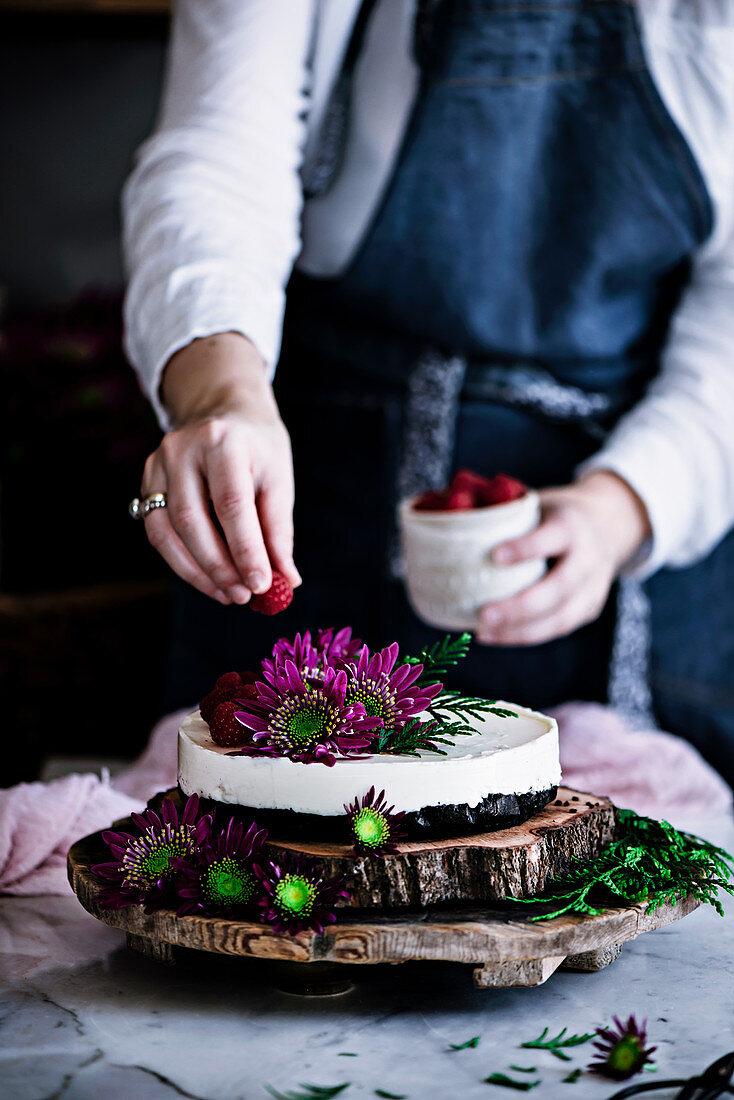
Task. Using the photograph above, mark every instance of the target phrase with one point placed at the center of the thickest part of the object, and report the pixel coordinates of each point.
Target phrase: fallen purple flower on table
(622, 1051)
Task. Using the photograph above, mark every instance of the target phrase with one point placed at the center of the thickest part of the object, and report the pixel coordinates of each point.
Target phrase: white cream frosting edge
(507, 756)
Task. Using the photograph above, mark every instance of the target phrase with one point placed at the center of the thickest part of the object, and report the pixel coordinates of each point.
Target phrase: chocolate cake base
(495, 812)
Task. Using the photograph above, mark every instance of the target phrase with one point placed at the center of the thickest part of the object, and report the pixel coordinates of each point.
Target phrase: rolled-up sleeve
(211, 211)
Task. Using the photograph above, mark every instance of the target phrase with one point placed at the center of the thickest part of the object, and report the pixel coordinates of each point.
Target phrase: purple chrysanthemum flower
(296, 895)
(373, 825)
(622, 1051)
(333, 643)
(300, 650)
(144, 867)
(219, 878)
(312, 655)
(306, 722)
(386, 692)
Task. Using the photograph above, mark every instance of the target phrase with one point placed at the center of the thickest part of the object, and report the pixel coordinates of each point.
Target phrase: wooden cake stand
(437, 900)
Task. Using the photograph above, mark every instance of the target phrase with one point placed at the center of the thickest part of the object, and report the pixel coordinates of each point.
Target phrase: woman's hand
(591, 529)
(229, 449)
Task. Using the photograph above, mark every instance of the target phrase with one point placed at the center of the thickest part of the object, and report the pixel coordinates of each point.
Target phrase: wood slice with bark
(516, 862)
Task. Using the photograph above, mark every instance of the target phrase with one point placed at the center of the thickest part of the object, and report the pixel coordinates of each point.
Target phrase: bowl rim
(406, 509)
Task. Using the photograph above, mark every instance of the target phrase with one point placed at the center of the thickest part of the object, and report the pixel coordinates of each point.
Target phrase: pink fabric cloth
(651, 772)
(40, 821)
(645, 770)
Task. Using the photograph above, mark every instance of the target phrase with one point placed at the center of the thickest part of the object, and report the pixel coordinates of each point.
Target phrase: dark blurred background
(83, 600)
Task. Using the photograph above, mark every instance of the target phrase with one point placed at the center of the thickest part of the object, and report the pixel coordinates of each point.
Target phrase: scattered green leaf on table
(464, 1046)
(390, 1095)
(311, 1092)
(572, 1077)
(555, 1044)
(509, 1082)
(347, 1054)
(523, 1069)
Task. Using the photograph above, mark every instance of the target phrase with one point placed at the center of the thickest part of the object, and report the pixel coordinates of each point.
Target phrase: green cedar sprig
(572, 1077)
(439, 658)
(450, 713)
(555, 1045)
(414, 737)
(453, 704)
(650, 861)
(390, 1095)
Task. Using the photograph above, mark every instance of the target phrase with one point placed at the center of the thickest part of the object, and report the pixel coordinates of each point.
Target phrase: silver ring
(139, 509)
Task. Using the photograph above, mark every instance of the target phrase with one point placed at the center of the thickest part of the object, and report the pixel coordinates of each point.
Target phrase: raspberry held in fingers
(277, 597)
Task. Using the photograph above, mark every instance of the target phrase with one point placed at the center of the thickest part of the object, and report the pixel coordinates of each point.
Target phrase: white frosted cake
(497, 777)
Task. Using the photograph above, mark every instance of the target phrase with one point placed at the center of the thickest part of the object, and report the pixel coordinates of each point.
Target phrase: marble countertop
(83, 1018)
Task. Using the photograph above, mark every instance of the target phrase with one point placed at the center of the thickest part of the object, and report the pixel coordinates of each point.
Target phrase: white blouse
(214, 218)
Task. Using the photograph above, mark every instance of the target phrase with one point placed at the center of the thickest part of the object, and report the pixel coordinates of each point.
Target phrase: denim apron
(507, 304)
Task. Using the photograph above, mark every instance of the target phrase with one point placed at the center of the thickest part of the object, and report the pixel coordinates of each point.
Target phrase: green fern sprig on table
(556, 1044)
(650, 861)
(310, 1092)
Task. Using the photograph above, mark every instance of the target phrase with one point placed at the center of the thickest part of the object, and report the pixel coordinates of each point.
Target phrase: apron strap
(317, 175)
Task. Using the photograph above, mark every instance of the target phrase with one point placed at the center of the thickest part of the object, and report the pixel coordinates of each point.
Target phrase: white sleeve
(211, 211)
(676, 447)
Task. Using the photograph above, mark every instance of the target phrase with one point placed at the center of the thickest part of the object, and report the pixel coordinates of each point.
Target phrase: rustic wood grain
(589, 961)
(498, 938)
(516, 975)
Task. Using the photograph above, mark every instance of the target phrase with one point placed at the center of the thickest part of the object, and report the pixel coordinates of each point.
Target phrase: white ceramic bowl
(448, 571)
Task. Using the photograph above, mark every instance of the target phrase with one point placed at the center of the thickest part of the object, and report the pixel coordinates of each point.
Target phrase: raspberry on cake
(451, 764)
(229, 686)
(224, 727)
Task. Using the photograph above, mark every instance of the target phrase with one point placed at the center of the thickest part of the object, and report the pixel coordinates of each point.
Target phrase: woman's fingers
(232, 492)
(538, 601)
(562, 621)
(165, 540)
(568, 597)
(188, 509)
(549, 539)
(187, 517)
(222, 462)
(275, 508)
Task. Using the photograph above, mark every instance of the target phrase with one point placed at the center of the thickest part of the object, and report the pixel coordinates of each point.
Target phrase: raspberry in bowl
(447, 537)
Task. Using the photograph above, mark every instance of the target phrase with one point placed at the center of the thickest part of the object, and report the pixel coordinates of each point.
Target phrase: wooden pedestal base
(497, 938)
